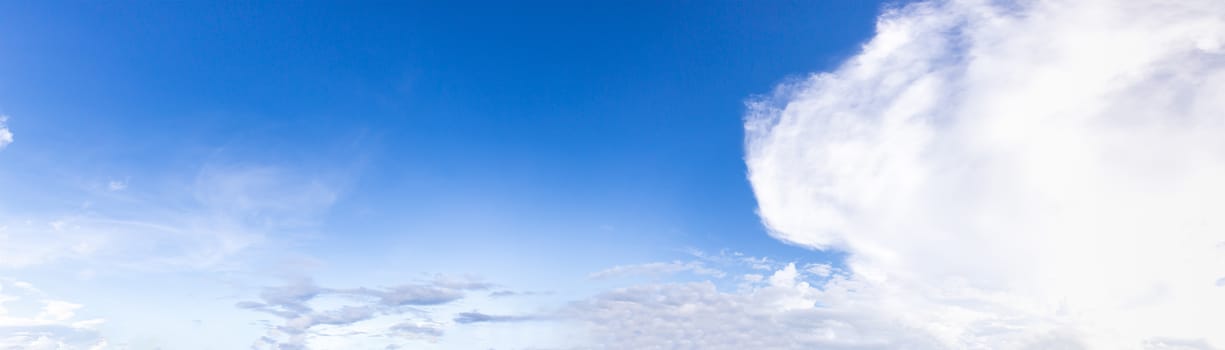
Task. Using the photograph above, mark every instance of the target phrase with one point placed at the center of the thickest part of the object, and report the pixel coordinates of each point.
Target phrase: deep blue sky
(529, 128)
(628, 113)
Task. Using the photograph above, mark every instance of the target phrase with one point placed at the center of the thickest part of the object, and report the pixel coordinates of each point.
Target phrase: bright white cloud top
(1014, 176)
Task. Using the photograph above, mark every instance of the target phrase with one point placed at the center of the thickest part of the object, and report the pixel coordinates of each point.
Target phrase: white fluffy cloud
(6, 136)
(1015, 174)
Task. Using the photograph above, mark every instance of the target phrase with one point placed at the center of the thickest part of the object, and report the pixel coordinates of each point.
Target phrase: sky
(937, 174)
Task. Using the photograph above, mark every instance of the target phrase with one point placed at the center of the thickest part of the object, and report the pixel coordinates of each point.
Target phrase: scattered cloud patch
(6, 135)
(52, 324)
(779, 312)
(512, 293)
(757, 303)
(304, 321)
(416, 329)
(117, 185)
(477, 317)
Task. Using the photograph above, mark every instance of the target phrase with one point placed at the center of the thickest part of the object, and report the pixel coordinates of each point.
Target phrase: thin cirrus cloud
(657, 269)
(1044, 173)
(224, 211)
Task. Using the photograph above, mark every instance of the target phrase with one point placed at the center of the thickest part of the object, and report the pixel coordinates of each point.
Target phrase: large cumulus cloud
(1009, 174)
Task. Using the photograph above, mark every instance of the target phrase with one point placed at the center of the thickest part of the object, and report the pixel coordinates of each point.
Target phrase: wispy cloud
(658, 268)
(478, 317)
(52, 325)
(203, 223)
(513, 293)
(1013, 174)
(415, 329)
(116, 185)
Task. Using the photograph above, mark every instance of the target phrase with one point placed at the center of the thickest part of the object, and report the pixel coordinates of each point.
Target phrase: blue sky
(937, 174)
(529, 143)
(617, 115)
